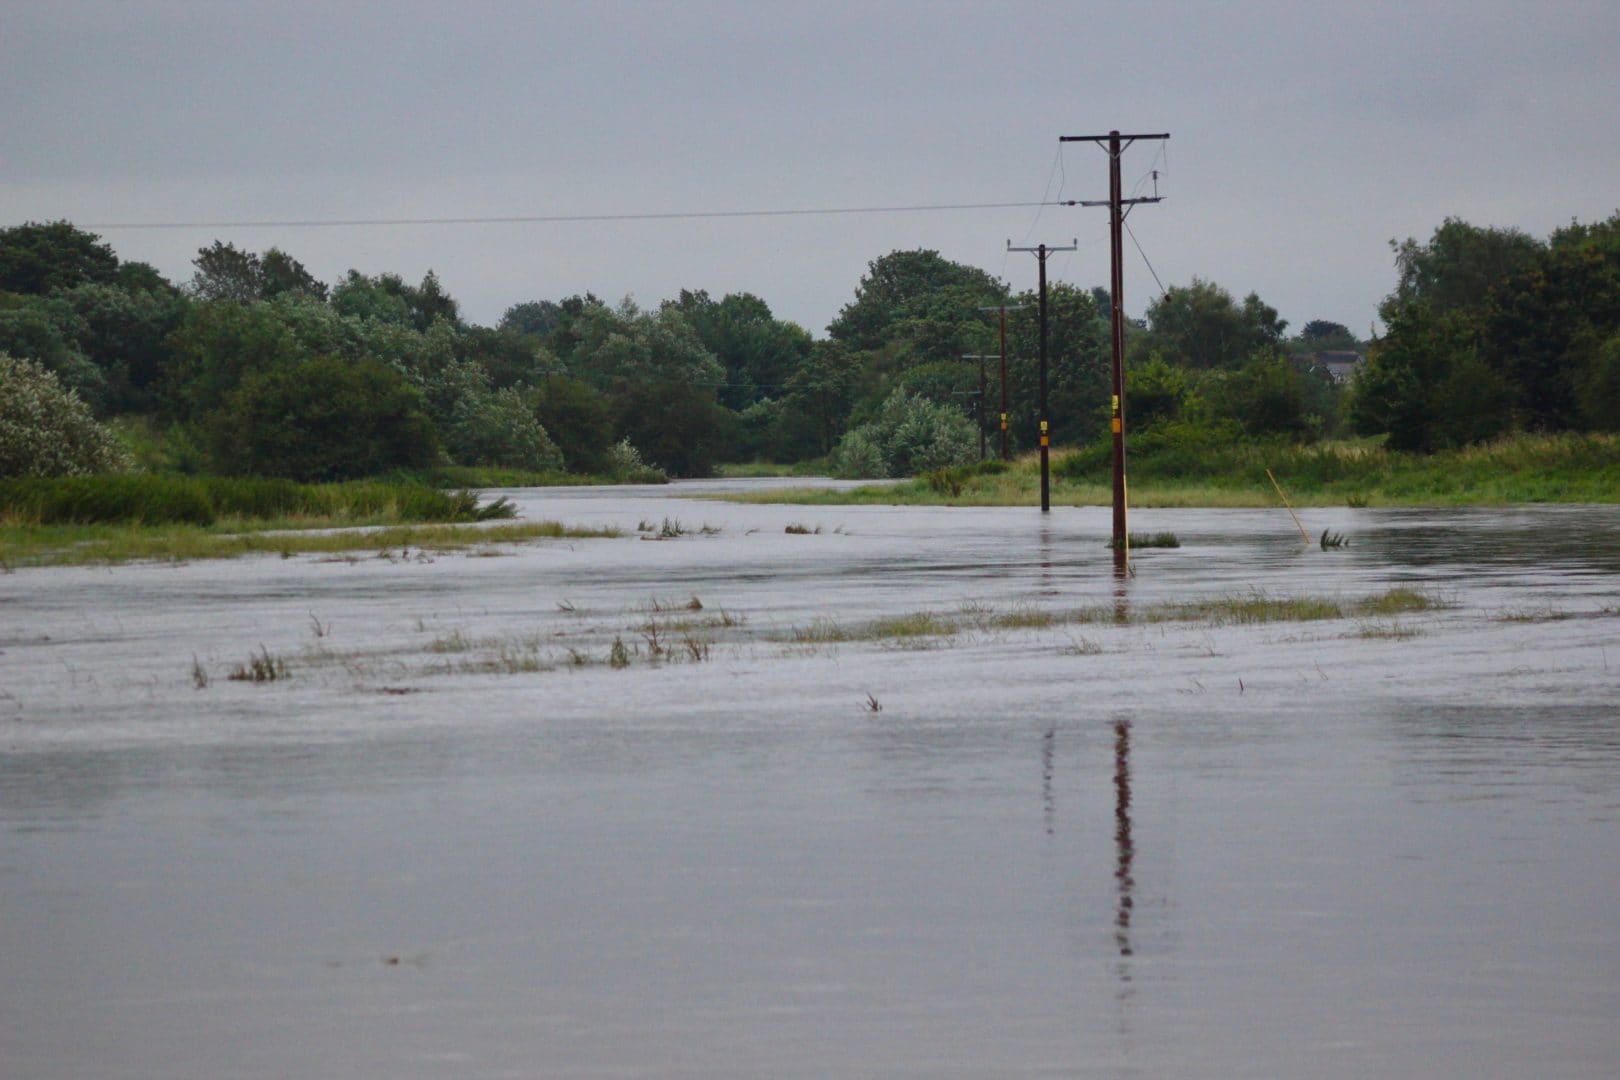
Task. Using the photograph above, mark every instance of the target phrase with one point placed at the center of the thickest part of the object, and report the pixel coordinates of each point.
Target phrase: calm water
(1369, 846)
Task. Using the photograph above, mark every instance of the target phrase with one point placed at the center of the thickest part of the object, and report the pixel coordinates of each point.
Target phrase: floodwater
(454, 840)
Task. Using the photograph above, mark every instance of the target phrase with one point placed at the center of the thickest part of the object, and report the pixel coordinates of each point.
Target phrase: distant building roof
(1339, 363)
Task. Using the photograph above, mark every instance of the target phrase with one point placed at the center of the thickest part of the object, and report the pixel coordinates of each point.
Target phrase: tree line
(254, 367)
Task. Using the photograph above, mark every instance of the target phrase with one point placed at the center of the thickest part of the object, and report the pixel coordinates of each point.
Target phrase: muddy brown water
(455, 840)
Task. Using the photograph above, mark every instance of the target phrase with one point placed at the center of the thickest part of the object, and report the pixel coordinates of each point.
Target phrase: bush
(857, 457)
(910, 435)
(624, 464)
(497, 428)
(323, 419)
(46, 430)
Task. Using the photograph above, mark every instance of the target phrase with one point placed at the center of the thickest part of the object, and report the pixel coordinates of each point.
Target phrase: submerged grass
(1023, 618)
(1247, 609)
(1136, 541)
(1242, 610)
(917, 624)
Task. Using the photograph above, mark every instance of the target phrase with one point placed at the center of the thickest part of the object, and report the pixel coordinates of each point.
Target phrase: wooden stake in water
(1303, 534)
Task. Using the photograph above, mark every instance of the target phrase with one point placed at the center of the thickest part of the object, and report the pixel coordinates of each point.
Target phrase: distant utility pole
(1041, 252)
(1003, 308)
(979, 408)
(1115, 143)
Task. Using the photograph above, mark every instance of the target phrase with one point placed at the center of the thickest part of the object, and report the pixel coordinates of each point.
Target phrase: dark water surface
(1366, 846)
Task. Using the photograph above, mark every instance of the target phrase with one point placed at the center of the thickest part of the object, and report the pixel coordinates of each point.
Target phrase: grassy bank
(79, 545)
(754, 470)
(1525, 469)
(143, 499)
(122, 518)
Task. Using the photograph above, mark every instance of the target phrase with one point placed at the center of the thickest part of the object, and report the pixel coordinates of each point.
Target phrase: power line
(546, 219)
(1142, 253)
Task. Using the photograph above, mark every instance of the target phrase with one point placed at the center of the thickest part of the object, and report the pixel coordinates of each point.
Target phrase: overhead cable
(544, 219)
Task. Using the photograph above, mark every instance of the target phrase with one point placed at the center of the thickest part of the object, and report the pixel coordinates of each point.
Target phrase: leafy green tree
(1489, 329)
(757, 432)
(1320, 334)
(124, 333)
(677, 425)
(820, 393)
(508, 357)
(143, 277)
(227, 273)
(429, 303)
(578, 417)
(1425, 384)
(280, 274)
(322, 419)
(1201, 326)
(572, 313)
(217, 346)
(1544, 326)
(46, 430)
(1597, 388)
(38, 259)
(947, 382)
(46, 329)
(611, 346)
(497, 427)
(1079, 362)
(1266, 396)
(1155, 392)
(897, 287)
(388, 298)
(372, 299)
(536, 318)
(757, 351)
(1457, 268)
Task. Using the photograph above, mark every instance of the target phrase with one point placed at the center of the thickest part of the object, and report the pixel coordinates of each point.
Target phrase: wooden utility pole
(1003, 309)
(980, 406)
(1041, 251)
(1115, 144)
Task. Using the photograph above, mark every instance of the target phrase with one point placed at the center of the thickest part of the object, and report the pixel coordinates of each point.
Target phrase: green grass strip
(81, 545)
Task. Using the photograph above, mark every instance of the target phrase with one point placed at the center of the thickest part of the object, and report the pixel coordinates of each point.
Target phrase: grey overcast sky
(1304, 137)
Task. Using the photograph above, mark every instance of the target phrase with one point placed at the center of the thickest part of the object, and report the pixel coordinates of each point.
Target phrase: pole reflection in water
(1124, 847)
(1043, 543)
(1048, 803)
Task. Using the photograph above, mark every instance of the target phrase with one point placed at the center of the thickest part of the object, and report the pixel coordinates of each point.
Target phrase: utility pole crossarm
(1109, 202)
(1073, 245)
(1126, 140)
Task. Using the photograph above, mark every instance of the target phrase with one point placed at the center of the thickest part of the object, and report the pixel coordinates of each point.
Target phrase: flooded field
(900, 792)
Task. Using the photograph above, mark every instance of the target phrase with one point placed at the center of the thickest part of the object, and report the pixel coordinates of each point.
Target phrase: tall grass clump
(91, 500)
